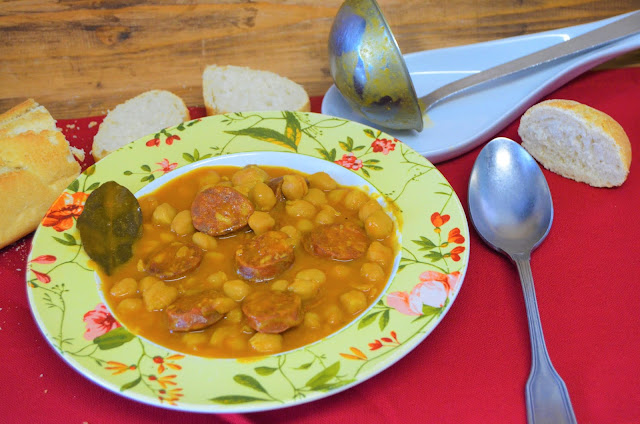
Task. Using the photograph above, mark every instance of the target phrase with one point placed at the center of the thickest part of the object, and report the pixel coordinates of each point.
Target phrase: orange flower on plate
(68, 206)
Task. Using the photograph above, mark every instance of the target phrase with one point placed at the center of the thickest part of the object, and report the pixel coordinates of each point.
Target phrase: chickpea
(262, 342)
(129, 305)
(300, 209)
(293, 233)
(225, 184)
(194, 339)
(378, 225)
(216, 280)
(167, 237)
(236, 343)
(234, 316)
(336, 196)
(353, 301)
(341, 271)
(210, 179)
(249, 175)
(312, 274)
(379, 253)
(147, 282)
(244, 189)
(373, 272)
(182, 224)
(368, 208)
(223, 304)
(294, 186)
(204, 241)
(124, 288)
(214, 257)
(316, 197)
(322, 180)
(324, 217)
(354, 199)
(261, 222)
(220, 334)
(263, 197)
(159, 296)
(306, 289)
(312, 320)
(236, 289)
(163, 214)
(279, 285)
(304, 225)
(333, 315)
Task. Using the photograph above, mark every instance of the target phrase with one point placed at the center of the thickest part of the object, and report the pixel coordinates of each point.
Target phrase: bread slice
(36, 165)
(240, 89)
(142, 115)
(577, 142)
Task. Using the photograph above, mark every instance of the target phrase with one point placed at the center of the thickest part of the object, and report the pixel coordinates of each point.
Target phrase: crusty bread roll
(142, 115)
(239, 89)
(36, 165)
(577, 142)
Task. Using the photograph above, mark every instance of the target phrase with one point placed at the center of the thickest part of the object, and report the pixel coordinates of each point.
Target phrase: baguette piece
(139, 116)
(36, 165)
(239, 89)
(577, 142)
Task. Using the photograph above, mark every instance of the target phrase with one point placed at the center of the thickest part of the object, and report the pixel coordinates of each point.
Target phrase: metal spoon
(511, 208)
(369, 70)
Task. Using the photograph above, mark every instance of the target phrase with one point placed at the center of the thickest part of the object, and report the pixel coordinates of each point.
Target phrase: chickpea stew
(239, 262)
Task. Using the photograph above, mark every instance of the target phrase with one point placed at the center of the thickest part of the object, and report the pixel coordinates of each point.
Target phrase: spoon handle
(546, 394)
(598, 37)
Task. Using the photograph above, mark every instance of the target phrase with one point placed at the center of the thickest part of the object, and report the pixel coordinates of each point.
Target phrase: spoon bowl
(511, 208)
(510, 198)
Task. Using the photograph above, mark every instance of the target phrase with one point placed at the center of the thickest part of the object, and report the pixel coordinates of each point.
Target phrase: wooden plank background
(82, 57)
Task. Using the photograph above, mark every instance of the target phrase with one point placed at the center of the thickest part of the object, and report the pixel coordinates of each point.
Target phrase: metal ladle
(369, 70)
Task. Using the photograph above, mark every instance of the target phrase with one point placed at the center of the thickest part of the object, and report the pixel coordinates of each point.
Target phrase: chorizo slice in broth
(173, 260)
(220, 210)
(342, 242)
(264, 257)
(193, 312)
(270, 311)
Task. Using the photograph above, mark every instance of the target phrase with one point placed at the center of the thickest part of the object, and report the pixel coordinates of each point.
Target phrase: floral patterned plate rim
(69, 309)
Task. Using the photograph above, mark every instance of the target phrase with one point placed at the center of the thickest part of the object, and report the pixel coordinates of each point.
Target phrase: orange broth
(325, 312)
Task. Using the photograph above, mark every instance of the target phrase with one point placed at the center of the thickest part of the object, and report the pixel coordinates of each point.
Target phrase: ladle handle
(546, 394)
(606, 34)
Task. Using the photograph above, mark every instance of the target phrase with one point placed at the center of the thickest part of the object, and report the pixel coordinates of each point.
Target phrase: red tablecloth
(474, 366)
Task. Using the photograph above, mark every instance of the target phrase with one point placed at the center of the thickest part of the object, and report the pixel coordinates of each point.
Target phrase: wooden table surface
(82, 57)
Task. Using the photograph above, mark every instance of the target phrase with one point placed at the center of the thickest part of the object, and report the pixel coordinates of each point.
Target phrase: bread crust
(594, 124)
(35, 168)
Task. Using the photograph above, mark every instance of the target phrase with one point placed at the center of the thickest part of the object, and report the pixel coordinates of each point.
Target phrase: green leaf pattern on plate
(434, 254)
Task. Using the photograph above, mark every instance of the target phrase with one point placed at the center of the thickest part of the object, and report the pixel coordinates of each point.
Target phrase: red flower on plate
(350, 161)
(68, 206)
(171, 139)
(165, 166)
(153, 142)
(98, 322)
(384, 145)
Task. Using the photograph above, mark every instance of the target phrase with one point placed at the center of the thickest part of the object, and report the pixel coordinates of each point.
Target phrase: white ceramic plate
(461, 123)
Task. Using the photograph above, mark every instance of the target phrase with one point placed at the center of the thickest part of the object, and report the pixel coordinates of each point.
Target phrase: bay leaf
(109, 225)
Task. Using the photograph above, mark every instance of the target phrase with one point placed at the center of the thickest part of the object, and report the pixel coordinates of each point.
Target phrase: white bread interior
(36, 165)
(577, 142)
(239, 89)
(142, 115)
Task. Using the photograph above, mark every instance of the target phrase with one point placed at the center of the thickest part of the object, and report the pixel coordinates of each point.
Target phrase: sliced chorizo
(270, 311)
(342, 242)
(219, 210)
(173, 260)
(264, 257)
(193, 312)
